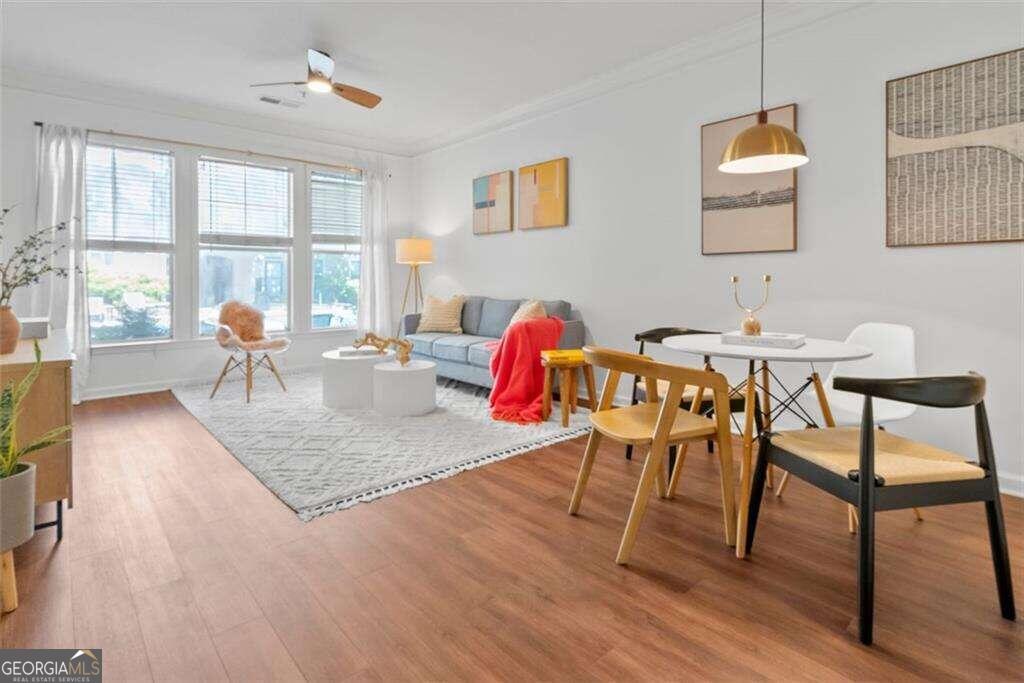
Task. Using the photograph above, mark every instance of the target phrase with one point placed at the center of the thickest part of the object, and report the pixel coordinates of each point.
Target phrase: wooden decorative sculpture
(751, 325)
(403, 347)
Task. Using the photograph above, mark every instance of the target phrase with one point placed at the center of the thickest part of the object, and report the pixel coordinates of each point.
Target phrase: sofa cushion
(480, 355)
(442, 316)
(558, 309)
(495, 316)
(456, 347)
(423, 342)
(471, 311)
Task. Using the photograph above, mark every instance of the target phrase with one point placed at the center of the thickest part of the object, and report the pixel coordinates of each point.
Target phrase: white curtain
(60, 196)
(374, 290)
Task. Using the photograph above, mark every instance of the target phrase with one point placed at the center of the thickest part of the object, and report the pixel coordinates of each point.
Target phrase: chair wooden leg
(677, 470)
(220, 378)
(585, 466)
(660, 483)
(851, 519)
(866, 576)
(574, 394)
(757, 493)
(248, 377)
(8, 583)
(636, 513)
(747, 462)
(564, 387)
(273, 369)
(1000, 557)
(549, 374)
(783, 480)
(588, 377)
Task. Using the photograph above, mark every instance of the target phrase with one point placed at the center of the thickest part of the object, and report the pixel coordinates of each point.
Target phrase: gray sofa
(465, 356)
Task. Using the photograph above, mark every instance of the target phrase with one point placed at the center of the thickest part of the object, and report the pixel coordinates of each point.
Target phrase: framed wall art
(954, 154)
(492, 203)
(544, 194)
(745, 213)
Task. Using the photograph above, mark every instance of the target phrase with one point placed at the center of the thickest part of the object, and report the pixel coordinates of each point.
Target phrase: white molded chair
(893, 356)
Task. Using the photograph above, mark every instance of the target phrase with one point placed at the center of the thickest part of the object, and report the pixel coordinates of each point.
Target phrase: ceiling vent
(280, 101)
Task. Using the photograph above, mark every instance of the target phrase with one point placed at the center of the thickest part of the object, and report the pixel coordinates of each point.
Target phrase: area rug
(318, 460)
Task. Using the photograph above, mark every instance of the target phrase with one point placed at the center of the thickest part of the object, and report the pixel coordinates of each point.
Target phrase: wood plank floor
(183, 567)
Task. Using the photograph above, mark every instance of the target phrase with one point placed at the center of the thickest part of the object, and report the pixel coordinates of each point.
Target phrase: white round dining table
(761, 412)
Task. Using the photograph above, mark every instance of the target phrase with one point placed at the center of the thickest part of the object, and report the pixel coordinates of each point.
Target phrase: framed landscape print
(745, 213)
(954, 154)
(544, 194)
(492, 203)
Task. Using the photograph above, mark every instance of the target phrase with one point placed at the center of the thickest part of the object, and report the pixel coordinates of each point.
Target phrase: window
(130, 238)
(336, 221)
(245, 239)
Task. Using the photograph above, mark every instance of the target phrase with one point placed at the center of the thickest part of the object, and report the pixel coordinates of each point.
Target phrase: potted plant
(28, 263)
(18, 479)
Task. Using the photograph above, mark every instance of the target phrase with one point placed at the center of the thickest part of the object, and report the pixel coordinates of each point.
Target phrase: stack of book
(775, 340)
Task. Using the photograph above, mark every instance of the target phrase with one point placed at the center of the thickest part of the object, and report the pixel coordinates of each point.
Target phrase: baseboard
(91, 394)
(1011, 484)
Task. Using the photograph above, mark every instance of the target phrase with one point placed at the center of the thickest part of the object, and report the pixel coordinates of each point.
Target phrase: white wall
(630, 258)
(154, 366)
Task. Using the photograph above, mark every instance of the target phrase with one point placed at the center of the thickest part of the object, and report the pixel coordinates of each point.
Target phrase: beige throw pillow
(442, 316)
(529, 310)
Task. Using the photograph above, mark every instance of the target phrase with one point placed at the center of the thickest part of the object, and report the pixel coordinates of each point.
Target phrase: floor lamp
(413, 252)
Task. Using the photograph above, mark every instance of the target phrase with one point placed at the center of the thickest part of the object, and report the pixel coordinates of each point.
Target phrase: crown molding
(99, 93)
(784, 20)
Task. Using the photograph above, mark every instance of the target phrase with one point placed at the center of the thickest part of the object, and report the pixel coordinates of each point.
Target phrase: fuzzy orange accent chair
(241, 332)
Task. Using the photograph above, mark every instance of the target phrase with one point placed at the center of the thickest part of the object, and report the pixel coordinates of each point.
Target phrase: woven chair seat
(897, 460)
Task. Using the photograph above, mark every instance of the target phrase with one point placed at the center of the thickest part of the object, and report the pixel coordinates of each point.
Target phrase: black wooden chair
(876, 471)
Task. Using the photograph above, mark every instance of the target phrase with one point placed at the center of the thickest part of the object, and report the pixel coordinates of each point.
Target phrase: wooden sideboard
(47, 405)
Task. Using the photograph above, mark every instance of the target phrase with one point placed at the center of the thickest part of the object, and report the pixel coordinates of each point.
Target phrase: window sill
(155, 345)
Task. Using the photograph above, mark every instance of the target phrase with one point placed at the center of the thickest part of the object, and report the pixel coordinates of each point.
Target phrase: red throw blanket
(518, 392)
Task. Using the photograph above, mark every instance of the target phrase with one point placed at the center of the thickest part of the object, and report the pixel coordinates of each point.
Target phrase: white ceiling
(440, 67)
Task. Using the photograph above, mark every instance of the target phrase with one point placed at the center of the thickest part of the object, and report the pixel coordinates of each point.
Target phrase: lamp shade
(763, 148)
(414, 251)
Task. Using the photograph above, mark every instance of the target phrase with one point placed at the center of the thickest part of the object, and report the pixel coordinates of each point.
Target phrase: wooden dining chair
(876, 471)
(657, 424)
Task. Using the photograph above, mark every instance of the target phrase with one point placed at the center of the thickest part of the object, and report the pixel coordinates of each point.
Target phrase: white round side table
(348, 377)
(404, 391)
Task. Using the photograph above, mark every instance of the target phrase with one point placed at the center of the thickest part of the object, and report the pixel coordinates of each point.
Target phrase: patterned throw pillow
(529, 310)
(442, 316)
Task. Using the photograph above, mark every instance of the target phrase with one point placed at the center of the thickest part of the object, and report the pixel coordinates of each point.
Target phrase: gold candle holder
(750, 326)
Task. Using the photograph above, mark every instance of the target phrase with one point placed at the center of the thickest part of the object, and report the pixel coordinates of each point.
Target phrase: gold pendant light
(764, 147)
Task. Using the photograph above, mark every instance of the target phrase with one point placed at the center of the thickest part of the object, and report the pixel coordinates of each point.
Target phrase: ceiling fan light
(318, 83)
(763, 148)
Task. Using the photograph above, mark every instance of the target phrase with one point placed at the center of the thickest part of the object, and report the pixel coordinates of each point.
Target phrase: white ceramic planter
(17, 506)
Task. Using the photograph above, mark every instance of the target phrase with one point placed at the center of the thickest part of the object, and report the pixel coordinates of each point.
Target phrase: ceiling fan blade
(263, 85)
(360, 97)
(320, 62)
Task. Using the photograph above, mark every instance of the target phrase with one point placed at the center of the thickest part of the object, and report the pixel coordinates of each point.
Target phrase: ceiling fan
(321, 68)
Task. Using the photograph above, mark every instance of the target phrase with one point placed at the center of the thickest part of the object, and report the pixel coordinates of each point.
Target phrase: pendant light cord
(762, 55)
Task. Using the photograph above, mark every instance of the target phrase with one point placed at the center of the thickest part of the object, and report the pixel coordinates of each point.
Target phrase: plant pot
(17, 506)
(10, 330)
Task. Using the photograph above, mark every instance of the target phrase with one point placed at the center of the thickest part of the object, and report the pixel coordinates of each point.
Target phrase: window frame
(186, 240)
(225, 242)
(325, 239)
(135, 246)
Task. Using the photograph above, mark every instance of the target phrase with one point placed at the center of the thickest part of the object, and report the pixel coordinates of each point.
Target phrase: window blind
(336, 203)
(127, 194)
(243, 199)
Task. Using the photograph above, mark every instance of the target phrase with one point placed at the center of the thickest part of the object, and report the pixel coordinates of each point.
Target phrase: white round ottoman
(404, 391)
(348, 377)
